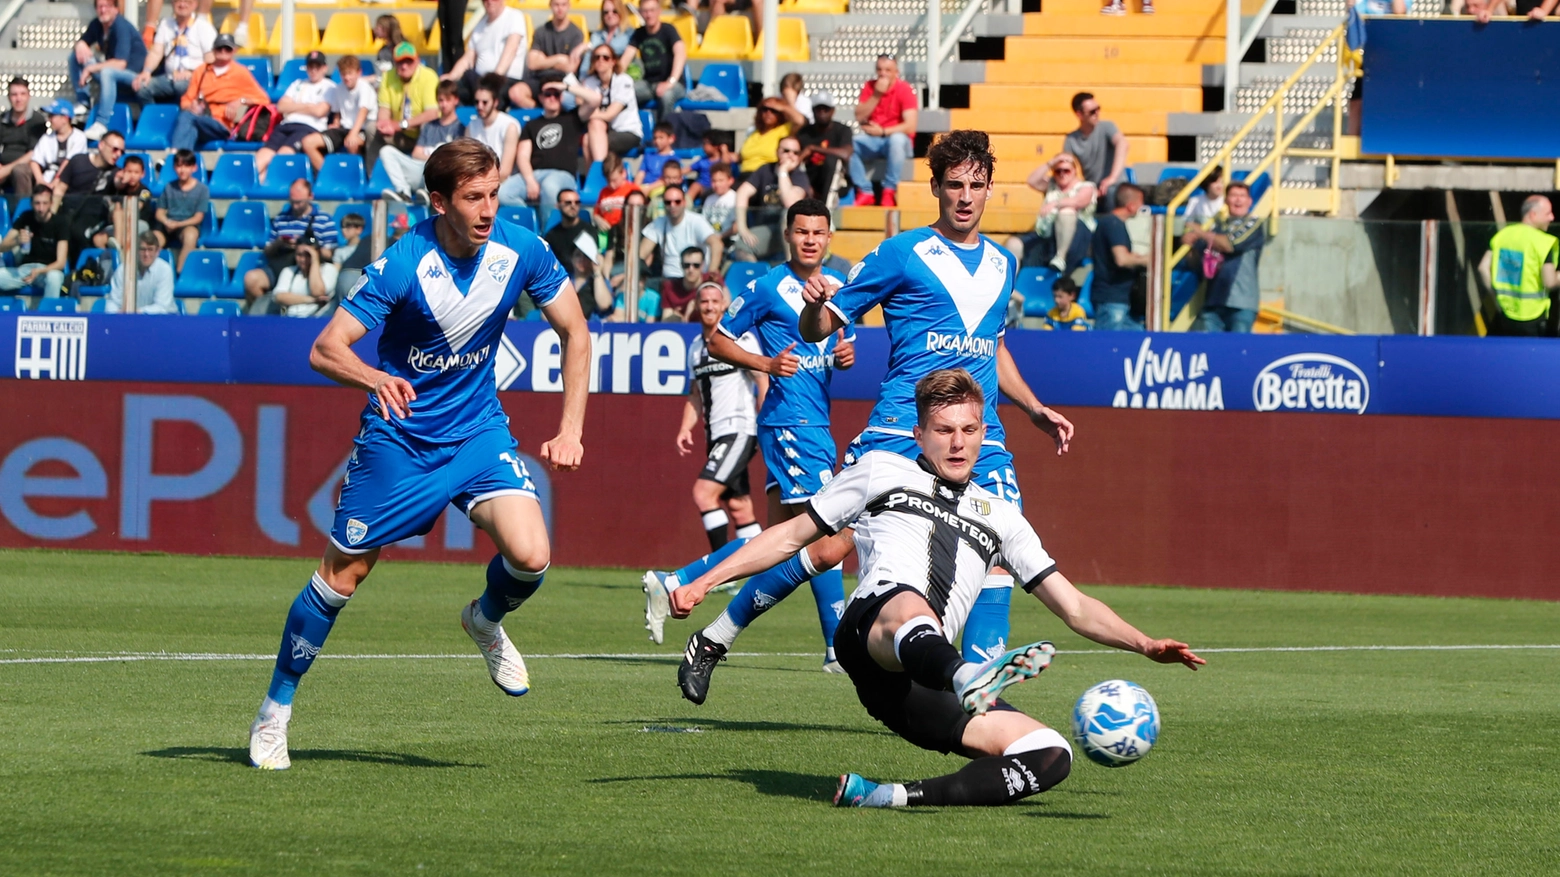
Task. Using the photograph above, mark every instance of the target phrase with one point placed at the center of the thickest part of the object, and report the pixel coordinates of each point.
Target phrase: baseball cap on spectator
(62, 108)
(315, 59)
(224, 41)
(404, 51)
(823, 99)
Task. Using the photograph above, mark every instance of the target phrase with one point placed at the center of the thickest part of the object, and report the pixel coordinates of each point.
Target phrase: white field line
(69, 657)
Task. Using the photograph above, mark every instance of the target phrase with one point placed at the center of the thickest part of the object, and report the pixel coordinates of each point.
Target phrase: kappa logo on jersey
(429, 363)
(793, 471)
(787, 436)
(356, 531)
(303, 650)
(435, 271)
(946, 343)
(792, 454)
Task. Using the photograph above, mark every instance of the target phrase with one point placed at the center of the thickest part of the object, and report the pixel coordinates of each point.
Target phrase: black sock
(994, 780)
(926, 654)
(715, 521)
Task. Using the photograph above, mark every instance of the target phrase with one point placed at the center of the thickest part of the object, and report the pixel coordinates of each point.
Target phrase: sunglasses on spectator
(672, 203)
(552, 92)
(692, 266)
(1093, 112)
(569, 202)
(602, 57)
(790, 151)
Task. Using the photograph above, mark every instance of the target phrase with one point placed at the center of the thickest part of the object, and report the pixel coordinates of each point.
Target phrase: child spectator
(1068, 315)
(662, 139)
(182, 208)
(387, 29)
(720, 206)
(355, 102)
(609, 204)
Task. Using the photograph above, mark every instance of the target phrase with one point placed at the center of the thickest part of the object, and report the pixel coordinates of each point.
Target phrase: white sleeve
(622, 91)
(844, 498)
(749, 342)
(336, 96)
(203, 34)
(1022, 553)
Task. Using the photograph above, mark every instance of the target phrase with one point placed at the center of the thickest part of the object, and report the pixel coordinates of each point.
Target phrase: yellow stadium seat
(306, 34)
(539, 21)
(686, 26)
(526, 4)
(816, 7)
(412, 29)
(435, 41)
(257, 43)
(579, 21)
(792, 40)
(728, 38)
(348, 33)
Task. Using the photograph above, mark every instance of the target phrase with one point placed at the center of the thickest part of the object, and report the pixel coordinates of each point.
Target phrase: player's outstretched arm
(332, 357)
(772, 547)
(781, 365)
(1091, 618)
(565, 451)
(1012, 384)
(818, 322)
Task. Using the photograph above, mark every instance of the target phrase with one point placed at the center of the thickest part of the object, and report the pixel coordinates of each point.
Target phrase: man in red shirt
(887, 113)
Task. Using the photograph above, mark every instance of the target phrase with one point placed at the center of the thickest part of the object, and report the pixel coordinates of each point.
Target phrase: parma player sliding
(433, 433)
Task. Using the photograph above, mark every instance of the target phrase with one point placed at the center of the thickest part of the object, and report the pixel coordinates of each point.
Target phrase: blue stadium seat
(245, 227)
(204, 274)
(120, 119)
(522, 216)
(647, 122)
(60, 305)
(292, 71)
(241, 146)
(208, 227)
(279, 177)
(11, 304)
(246, 262)
(1259, 186)
(595, 181)
(729, 78)
(378, 181)
(738, 275)
(260, 66)
(341, 178)
(87, 255)
(361, 209)
(5, 222)
(99, 306)
(22, 206)
(216, 308)
(166, 175)
(166, 255)
(233, 177)
(465, 114)
(1177, 173)
(154, 126)
(1034, 284)
(523, 116)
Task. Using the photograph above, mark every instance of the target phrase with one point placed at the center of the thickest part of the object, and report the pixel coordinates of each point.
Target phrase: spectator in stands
(1119, 7)
(129, 181)
(1521, 269)
(1067, 315)
(549, 153)
(614, 126)
(717, 150)
(671, 235)
(720, 206)
(1536, 10)
(565, 235)
(826, 145)
(500, 132)
(609, 204)
(182, 207)
(555, 53)
(496, 45)
(62, 143)
(671, 176)
(405, 170)
(356, 105)
(408, 99)
(124, 54)
(305, 109)
(680, 297)
(887, 112)
(773, 121)
(1116, 268)
(218, 96)
(1100, 146)
(661, 151)
(662, 55)
(83, 187)
(614, 32)
(583, 264)
(1069, 202)
(304, 288)
(762, 201)
(1206, 203)
(41, 239)
(20, 132)
(791, 86)
(387, 30)
(153, 281)
(353, 255)
(300, 223)
(181, 46)
(1230, 252)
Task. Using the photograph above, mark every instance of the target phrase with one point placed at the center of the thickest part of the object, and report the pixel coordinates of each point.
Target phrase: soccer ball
(1115, 723)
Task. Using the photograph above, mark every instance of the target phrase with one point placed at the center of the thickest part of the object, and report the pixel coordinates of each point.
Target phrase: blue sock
(986, 630)
(309, 621)
(829, 593)
(507, 588)
(764, 590)
(709, 561)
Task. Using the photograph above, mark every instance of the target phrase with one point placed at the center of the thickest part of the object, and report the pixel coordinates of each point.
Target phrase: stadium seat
(348, 33)
(87, 255)
(120, 120)
(60, 305)
(378, 182)
(5, 221)
(235, 284)
(522, 216)
(813, 7)
(522, 116)
(412, 29)
(166, 255)
(219, 308)
(731, 81)
(1034, 284)
(291, 72)
(258, 45)
(156, 123)
(11, 304)
(246, 226)
(279, 177)
(22, 206)
(306, 34)
(99, 306)
(1259, 186)
(208, 227)
(791, 43)
(233, 177)
(595, 181)
(728, 38)
(738, 275)
(465, 114)
(204, 274)
(361, 209)
(341, 178)
(688, 28)
(434, 42)
(260, 66)
(646, 124)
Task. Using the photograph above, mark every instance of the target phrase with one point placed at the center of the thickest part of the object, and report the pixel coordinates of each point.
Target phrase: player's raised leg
(515, 523)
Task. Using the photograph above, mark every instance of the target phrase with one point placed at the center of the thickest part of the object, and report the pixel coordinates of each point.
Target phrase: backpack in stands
(96, 272)
(1166, 190)
(257, 124)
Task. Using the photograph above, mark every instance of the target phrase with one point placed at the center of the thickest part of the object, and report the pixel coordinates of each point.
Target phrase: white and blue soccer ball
(1115, 723)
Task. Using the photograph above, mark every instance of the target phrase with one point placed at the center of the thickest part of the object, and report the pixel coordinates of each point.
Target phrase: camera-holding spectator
(356, 105)
(720, 205)
(305, 109)
(662, 55)
(406, 170)
(1067, 315)
(304, 288)
(501, 133)
(614, 126)
(1116, 268)
(825, 144)
(1206, 203)
(124, 54)
(762, 201)
(555, 53)
(662, 142)
(679, 297)
(182, 207)
(772, 122)
(181, 46)
(675, 233)
(1100, 147)
(887, 112)
(1521, 269)
(408, 99)
(20, 133)
(41, 239)
(549, 151)
(1069, 203)
(299, 223)
(1230, 252)
(496, 45)
(153, 281)
(60, 144)
(614, 32)
(218, 96)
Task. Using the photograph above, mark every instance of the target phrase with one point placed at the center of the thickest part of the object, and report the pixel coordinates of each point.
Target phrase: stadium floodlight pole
(770, 68)
(129, 206)
(1232, 53)
(285, 22)
(633, 219)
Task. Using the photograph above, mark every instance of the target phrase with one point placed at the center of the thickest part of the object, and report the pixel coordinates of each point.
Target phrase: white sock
(887, 795)
(714, 520)
(997, 580)
(807, 564)
(672, 582)
(480, 622)
(828, 655)
(723, 630)
(748, 531)
(270, 709)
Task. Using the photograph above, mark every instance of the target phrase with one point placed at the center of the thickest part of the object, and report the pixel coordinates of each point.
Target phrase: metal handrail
(1274, 158)
(939, 45)
(1238, 41)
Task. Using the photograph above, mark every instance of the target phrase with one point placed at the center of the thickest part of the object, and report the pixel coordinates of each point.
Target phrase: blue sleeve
(119, 42)
(93, 35)
(379, 290)
(873, 278)
(745, 311)
(545, 276)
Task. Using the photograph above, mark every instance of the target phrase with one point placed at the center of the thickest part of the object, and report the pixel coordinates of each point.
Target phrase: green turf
(1269, 763)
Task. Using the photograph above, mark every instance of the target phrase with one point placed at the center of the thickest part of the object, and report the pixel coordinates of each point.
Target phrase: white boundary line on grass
(67, 657)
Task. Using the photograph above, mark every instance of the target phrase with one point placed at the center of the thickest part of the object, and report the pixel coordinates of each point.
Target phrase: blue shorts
(800, 460)
(993, 469)
(397, 486)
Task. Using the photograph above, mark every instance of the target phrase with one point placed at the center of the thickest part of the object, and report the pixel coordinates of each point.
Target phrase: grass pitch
(1292, 762)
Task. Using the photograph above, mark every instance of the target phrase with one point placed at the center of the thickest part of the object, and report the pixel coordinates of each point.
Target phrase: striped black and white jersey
(915, 529)
(726, 390)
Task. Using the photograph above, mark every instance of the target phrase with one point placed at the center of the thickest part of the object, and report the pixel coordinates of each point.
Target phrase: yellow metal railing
(1273, 163)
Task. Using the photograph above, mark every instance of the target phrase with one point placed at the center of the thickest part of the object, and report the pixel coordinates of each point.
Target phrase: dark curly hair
(961, 147)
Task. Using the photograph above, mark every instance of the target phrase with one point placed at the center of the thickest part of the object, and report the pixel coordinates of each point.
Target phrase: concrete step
(1164, 24)
(1062, 120)
(1202, 8)
(1114, 100)
(1046, 50)
(1093, 73)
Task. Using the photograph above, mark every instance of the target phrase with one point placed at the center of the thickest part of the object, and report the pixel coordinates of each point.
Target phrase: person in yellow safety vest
(1523, 268)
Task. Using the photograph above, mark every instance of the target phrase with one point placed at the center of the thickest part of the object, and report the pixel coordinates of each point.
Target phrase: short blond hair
(945, 387)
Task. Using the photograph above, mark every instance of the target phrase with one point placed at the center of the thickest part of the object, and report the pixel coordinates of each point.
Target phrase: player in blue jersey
(793, 435)
(944, 290)
(433, 433)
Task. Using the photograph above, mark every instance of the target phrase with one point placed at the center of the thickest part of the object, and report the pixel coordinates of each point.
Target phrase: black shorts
(930, 719)
(335, 140)
(620, 142)
(288, 134)
(728, 463)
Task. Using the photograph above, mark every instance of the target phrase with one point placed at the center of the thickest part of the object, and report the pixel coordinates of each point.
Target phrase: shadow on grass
(778, 783)
(730, 725)
(224, 755)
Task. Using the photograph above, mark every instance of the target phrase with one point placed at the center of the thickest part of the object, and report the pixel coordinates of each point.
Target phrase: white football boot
(268, 740)
(503, 660)
(658, 604)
